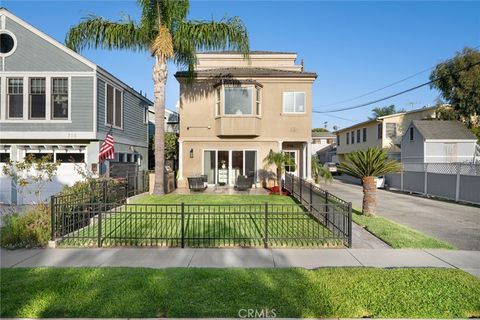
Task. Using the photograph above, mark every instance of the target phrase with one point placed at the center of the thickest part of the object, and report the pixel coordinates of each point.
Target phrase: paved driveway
(451, 222)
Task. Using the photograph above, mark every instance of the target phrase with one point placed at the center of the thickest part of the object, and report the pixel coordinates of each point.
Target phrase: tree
(458, 80)
(279, 160)
(366, 165)
(319, 171)
(165, 32)
(320, 130)
(32, 174)
(384, 111)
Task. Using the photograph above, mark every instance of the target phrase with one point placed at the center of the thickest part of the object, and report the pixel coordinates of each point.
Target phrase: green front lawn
(397, 235)
(210, 221)
(326, 293)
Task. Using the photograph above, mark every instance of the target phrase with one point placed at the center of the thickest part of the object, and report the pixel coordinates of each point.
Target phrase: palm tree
(165, 32)
(384, 111)
(279, 160)
(319, 171)
(367, 165)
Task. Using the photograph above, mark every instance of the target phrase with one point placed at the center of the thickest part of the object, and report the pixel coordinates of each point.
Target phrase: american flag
(107, 151)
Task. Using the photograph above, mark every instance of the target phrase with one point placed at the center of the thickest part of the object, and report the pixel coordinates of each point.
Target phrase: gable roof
(247, 72)
(70, 52)
(443, 130)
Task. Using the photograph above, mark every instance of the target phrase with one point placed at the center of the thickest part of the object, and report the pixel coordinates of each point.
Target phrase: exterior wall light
(191, 153)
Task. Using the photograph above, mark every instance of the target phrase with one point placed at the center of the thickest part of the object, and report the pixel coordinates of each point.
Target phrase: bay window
(37, 98)
(294, 102)
(15, 98)
(238, 101)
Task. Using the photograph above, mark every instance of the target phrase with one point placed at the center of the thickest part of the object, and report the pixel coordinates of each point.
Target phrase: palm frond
(163, 45)
(319, 171)
(97, 32)
(372, 162)
(279, 160)
(227, 34)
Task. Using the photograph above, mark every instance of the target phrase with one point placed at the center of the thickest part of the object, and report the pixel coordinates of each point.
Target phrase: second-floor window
(348, 138)
(15, 98)
(353, 137)
(59, 98)
(391, 130)
(364, 134)
(238, 101)
(114, 107)
(37, 98)
(358, 136)
(411, 133)
(338, 140)
(294, 102)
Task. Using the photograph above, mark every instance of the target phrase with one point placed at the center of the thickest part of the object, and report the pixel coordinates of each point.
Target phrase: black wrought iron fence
(103, 218)
(194, 225)
(335, 213)
(74, 211)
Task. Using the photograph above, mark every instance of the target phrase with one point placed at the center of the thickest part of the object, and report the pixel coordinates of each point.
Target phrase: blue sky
(355, 47)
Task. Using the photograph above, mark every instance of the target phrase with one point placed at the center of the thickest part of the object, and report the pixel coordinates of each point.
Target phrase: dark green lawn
(210, 221)
(328, 292)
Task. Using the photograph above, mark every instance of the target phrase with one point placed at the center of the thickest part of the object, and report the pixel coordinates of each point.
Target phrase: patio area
(223, 190)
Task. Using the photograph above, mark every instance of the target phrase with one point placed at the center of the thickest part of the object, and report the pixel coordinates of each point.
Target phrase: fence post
(183, 225)
(327, 211)
(301, 187)
(100, 213)
(311, 198)
(349, 224)
(53, 222)
(265, 241)
(457, 186)
(425, 187)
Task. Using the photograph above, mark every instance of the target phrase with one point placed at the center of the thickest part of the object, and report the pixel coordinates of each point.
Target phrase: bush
(27, 229)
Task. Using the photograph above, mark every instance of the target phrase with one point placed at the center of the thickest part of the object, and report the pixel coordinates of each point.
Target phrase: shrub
(27, 229)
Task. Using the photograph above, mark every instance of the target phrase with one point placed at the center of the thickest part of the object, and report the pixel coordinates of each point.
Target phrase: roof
(70, 52)
(384, 117)
(248, 72)
(323, 134)
(443, 130)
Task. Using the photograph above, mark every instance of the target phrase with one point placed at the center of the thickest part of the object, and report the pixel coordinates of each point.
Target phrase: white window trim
(26, 96)
(294, 112)
(5, 31)
(254, 102)
(121, 106)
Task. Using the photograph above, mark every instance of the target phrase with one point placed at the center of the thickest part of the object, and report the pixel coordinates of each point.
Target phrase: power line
(385, 87)
(337, 117)
(390, 96)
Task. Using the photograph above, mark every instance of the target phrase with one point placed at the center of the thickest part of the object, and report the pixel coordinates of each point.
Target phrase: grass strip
(321, 293)
(397, 235)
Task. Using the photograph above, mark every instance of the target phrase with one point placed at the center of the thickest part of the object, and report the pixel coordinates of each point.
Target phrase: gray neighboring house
(435, 141)
(54, 101)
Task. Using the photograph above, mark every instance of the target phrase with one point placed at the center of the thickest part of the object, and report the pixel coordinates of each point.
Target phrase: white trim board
(48, 39)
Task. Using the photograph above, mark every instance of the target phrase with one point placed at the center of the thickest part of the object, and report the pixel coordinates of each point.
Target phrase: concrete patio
(468, 261)
(223, 190)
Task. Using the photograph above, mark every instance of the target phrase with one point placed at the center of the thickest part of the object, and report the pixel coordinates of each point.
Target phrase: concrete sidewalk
(468, 261)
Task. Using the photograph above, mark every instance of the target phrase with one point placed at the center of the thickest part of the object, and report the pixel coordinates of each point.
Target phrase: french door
(224, 166)
(293, 169)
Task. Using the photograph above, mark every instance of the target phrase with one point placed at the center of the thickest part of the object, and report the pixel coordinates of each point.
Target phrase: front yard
(326, 292)
(209, 221)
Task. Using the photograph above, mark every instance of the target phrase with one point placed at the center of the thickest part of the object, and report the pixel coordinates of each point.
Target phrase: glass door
(237, 165)
(223, 163)
(209, 167)
(294, 155)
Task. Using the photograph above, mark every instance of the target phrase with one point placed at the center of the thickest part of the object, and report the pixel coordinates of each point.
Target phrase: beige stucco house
(384, 132)
(235, 111)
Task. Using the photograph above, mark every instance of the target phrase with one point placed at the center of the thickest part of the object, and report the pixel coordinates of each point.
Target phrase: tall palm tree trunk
(369, 196)
(159, 82)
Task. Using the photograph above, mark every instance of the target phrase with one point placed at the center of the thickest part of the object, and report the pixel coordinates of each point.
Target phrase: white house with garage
(55, 102)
